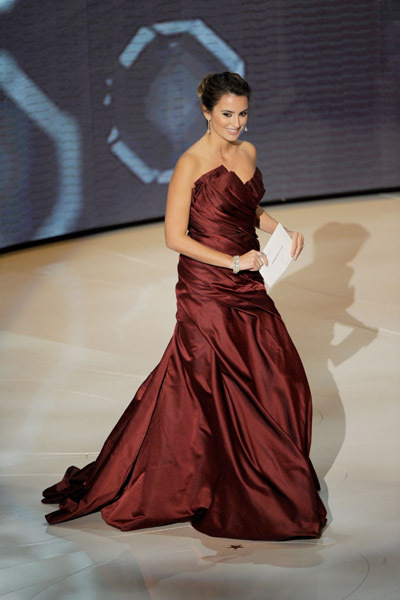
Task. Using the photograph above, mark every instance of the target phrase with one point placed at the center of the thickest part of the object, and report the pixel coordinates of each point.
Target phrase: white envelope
(278, 254)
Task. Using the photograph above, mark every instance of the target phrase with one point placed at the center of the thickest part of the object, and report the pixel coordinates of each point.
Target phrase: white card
(278, 254)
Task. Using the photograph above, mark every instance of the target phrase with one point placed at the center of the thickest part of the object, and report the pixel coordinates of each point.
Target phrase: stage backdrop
(98, 100)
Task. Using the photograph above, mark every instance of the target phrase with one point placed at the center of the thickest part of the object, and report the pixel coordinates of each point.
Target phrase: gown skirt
(219, 433)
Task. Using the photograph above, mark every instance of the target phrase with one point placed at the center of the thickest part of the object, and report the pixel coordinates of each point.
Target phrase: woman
(219, 433)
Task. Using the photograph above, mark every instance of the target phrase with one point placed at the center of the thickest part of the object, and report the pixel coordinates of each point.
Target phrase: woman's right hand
(252, 261)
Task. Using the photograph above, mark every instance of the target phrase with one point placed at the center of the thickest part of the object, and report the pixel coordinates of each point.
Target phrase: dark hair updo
(215, 85)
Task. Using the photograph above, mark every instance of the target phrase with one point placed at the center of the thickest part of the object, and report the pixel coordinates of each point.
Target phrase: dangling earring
(245, 128)
(208, 126)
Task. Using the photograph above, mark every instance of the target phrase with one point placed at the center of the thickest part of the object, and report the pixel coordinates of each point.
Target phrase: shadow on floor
(316, 300)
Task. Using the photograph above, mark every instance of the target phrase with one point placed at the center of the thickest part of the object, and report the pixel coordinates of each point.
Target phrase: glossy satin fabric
(219, 433)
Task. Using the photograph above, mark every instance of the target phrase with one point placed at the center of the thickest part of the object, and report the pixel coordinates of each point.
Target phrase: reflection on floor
(83, 322)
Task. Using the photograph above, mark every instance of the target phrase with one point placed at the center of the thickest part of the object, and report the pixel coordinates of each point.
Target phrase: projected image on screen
(98, 100)
(166, 108)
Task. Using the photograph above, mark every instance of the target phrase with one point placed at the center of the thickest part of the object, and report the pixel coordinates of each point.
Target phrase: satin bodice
(223, 217)
(222, 213)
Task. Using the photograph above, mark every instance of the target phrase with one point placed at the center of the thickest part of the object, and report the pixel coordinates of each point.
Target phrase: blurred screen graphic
(98, 100)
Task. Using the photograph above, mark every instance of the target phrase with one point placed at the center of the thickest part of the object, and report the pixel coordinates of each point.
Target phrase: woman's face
(229, 116)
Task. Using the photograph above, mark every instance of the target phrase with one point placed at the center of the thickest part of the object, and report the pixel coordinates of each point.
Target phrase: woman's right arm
(177, 221)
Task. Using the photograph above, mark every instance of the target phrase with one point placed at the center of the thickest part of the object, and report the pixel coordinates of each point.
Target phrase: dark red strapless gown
(219, 433)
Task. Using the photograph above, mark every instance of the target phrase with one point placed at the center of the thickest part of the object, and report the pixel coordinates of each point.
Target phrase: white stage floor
(84, 321)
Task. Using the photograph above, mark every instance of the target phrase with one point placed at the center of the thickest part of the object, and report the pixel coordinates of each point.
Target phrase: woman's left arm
(266, 223)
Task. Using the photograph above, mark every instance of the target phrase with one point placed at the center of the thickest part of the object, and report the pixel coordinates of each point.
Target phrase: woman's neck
(220, 147)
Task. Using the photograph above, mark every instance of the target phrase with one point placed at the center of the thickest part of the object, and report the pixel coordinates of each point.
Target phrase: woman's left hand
(297, 243)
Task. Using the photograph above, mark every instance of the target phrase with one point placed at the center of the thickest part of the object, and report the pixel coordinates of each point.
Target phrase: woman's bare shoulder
(249, 149)
(190, 164)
